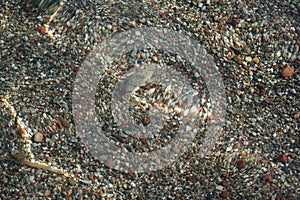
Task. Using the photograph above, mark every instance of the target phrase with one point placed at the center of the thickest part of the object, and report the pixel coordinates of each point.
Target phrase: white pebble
(109, 26)
(248, 59)
(219, 187)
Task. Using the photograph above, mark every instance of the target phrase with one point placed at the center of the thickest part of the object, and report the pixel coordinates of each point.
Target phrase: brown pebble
(43, 124)
(255, 60)
(138, 55)
(297, 115)
(59, 124)
(192, 177)
(224, 194)
(130, 173)
(49, 159)
(128, 24)
(288, 71)
(293, 155)
(143, 140)
(7, 39)
(65, 123)
(38, 137)
(245, 66)
(283, 158)
(241, 164)
(146, 121)
(268, 178)
(238, 59)
(123, 140)
(91, 177)
(276, 66)
(267, 100)
(224, 183)
(164, 16)
(20, 156)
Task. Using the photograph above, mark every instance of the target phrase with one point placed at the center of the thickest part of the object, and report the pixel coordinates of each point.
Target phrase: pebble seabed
(255, 45)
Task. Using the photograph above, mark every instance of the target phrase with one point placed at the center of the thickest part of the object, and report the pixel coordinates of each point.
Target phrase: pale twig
(45, 28)
(22, 159)
(22, 128)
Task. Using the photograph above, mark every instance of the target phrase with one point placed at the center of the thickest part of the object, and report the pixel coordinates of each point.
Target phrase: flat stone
(38, 137)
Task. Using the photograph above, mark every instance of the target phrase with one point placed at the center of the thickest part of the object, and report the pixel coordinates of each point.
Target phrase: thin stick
(44, 166)
(56, 11)
(45, 28)
(26, 141)
(22, 128)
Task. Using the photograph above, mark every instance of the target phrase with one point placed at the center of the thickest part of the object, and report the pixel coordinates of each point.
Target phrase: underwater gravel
(255, 44)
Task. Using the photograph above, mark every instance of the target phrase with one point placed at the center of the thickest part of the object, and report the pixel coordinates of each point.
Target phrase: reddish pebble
(283, 158)
(238, 60)
(224, 194)
(91, 177)
(288, 71)
(44, 30)
(143, 140)
(268, 178)
(297, 115)
(164, 16)
(8, 39)
(293, 155)
(59, 124)
(224, 183)
(65, 123)
(140, 197)
(241, 164)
